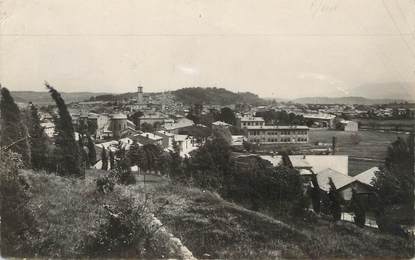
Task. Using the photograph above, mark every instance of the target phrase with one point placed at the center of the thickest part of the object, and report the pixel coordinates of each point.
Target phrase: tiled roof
(339, 179)
(367, 176)
(118, 116)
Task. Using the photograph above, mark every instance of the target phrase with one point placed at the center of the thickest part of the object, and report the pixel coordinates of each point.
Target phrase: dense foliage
(227, 115)
(38, 141)
(14, 133)
(394, 184)
(250, 181)
(18, 227)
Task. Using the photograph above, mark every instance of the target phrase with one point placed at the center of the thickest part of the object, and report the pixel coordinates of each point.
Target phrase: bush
(123, 233)
(122, 172)
(18, 227)
(105, 185)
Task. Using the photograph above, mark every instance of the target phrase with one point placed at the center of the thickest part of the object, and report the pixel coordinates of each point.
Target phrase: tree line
(23, 134)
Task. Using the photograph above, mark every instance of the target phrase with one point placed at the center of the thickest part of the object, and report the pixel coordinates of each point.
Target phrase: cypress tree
(92, 152)
(134, 153)
(176, 170)
(112, 161)
(315, 194)
(358, 209)
(69, 153)
(335, 201)
(104, 159)
(14, 133)
(38, 141)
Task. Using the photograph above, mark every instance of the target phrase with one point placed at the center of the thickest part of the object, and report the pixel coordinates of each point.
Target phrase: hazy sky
(290, 48)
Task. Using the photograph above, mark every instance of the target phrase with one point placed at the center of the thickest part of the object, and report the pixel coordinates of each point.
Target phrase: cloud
(340, 85)
(188, 70)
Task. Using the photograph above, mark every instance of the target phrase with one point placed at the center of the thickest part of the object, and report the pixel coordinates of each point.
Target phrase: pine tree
(14, 134)
(68, 149)
(104, 159)
(38, 141)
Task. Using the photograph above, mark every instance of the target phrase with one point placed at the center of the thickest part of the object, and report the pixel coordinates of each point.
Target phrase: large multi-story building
(277, 134)
(244, 122)
(321, 120)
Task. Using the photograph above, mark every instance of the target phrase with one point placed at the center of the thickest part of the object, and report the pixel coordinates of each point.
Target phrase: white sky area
(281, 49)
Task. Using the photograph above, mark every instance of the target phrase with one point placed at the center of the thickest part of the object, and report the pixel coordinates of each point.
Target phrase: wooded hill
(217, 96)
(197, 95)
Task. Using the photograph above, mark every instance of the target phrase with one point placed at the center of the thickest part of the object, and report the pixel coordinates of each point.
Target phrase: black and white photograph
(207, 129)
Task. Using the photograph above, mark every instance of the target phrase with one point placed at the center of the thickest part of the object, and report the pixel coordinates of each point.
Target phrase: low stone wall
(164, 239)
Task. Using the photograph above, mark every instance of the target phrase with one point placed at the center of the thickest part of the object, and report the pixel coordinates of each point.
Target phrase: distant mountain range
(344, 100)
(373, 93)
(43, 97)
(387, 90)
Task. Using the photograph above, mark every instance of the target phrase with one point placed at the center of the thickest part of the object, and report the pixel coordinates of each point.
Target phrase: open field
(388, 124)
(405, 122)
(363, 144)
(357, 166)
(366, 144)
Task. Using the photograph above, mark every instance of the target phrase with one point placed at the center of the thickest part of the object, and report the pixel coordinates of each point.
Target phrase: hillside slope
(70, 214)
(212, 227)
(216, 96)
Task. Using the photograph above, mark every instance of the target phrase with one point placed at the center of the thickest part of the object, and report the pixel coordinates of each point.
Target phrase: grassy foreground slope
(210, 226)
(70, 214)
(73, 219)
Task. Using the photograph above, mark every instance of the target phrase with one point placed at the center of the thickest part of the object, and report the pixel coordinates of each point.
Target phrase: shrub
(123, 233)
(18, 227)
(105, 185)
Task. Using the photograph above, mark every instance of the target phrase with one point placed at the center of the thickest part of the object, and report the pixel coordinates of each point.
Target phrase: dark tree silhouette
(394, 183)
(104, 159)
(356, 205)
(315, 194)
(112, 160)
(335, 201)
(38, 141)
(67, 149)
(92, 153)
(14, 134)
(227, 115)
